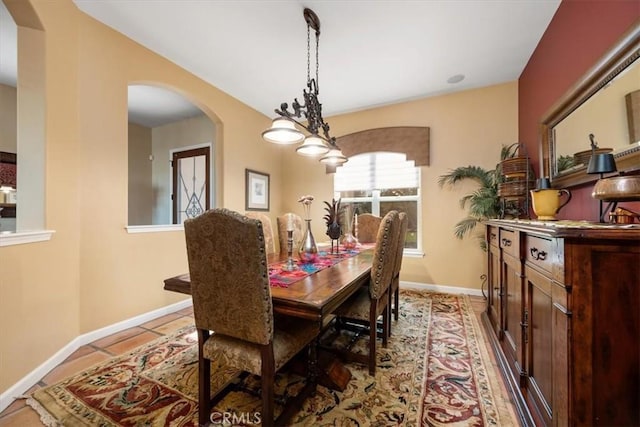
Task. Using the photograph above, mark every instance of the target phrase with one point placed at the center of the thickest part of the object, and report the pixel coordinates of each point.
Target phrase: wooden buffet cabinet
(563, 314)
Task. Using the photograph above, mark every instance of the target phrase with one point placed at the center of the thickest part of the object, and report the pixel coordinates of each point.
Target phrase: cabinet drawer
(538, 252)
(492, 236)
(510, 242)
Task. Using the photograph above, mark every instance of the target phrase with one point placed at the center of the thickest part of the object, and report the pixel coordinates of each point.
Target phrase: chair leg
(372, 350)
(268, 378)
(312, 364)
(390, 312)
(204, 381)
(396, 306)
(386, 323)
(373, 334)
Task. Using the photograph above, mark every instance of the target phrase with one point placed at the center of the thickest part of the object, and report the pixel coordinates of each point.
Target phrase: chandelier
(283, 130)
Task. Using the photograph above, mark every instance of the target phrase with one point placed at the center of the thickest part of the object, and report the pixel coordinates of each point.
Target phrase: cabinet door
(605, 332)
(538, 333)
(495, 290)
(513, 316)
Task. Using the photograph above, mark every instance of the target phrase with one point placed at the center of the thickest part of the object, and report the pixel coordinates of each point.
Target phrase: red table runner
(282, 278)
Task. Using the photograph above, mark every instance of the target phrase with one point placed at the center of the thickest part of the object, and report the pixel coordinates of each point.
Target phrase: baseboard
(441, 288)
(19, 388)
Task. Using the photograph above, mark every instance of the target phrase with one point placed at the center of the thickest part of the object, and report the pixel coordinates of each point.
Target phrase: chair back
(384, 254)
(269, 242)
(282, 221)
(402, 236)
(368, 225)
(229, 275)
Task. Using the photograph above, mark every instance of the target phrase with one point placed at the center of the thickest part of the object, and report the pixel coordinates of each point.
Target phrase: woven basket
(515, 188)
(583, 157)
(515, 166)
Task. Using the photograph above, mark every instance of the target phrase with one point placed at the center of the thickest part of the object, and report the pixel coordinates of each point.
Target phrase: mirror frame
(619, 57)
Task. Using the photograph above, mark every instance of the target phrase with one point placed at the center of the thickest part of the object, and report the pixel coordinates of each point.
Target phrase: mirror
(604, 103)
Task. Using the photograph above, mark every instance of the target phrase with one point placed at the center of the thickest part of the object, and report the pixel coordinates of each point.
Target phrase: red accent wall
(580, 32)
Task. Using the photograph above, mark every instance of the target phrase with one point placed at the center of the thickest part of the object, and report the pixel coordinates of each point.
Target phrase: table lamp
(601, 164)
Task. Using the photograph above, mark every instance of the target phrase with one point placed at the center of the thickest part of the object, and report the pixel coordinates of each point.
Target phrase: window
(379, 182)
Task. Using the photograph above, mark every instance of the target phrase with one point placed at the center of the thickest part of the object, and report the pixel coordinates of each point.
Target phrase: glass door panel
(190, 184)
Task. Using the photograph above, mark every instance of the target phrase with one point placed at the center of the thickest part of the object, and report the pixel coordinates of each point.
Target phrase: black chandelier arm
(298, 110)
(325, 130)
(284, 112)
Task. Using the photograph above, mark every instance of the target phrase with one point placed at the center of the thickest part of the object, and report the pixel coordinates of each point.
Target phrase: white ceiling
(372, 52)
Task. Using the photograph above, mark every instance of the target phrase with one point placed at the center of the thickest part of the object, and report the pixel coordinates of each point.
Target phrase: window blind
(376, 171)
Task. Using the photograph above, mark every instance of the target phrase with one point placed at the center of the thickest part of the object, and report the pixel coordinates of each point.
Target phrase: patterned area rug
(435, 372)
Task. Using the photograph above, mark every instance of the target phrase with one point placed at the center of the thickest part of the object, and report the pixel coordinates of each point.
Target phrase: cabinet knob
(506, 242)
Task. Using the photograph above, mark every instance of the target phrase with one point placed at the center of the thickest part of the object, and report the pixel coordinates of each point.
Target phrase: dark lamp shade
(602, 163)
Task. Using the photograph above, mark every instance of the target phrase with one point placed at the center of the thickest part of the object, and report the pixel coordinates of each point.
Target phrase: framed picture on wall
(256, 191)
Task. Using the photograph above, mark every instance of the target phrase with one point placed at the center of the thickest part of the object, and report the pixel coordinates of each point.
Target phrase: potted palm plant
(485, 202)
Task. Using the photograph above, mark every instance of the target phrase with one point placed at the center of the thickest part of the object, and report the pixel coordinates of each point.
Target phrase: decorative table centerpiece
(332, 218)
(308, 251)
(290, 265)
(350, 222)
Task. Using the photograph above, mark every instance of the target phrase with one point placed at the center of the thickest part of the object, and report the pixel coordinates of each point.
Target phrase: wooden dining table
(314, 297)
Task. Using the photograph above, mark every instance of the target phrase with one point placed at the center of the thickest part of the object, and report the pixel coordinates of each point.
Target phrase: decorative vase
(308, 251)
(349, 241)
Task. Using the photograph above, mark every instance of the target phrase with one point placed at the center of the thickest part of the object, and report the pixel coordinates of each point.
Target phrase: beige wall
(466, 129)
(7, 118)
(140, 188)
(93, 274)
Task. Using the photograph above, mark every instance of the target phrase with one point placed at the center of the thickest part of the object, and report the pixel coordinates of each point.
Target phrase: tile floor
(18, 414)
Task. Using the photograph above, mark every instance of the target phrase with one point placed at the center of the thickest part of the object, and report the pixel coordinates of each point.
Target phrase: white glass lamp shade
(313, 146)
(334, 157)
(283, 131)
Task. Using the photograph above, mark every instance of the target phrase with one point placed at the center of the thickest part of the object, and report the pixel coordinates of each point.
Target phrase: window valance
(413, 141)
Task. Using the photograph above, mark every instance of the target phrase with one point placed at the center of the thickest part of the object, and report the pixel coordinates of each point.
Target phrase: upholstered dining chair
(394, 292)
(233, 310)
(282, 222)
(372, 301)
(269, 241)
(368, 225)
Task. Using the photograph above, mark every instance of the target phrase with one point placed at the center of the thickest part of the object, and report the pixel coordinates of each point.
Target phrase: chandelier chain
(284, 132)
(309, 54)
(317, 62)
